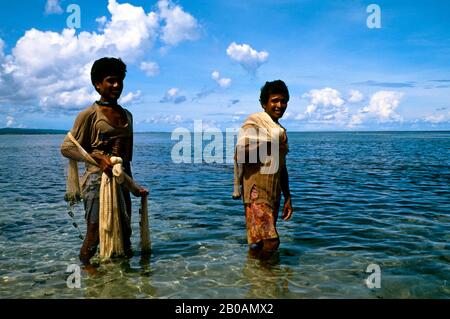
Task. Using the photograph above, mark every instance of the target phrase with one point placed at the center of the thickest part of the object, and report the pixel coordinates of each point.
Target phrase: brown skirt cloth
(261, 220)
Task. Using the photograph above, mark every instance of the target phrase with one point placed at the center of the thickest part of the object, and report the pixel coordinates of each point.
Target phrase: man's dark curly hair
(274, 87)
(107, 67)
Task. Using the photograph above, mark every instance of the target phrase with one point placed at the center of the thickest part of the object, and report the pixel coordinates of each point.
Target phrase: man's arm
(287, 208)
(81, 132)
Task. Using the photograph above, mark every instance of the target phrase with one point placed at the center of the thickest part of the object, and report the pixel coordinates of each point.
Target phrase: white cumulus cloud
(150, 68)
(164, 118)
(326, 97)
(53, 7)
(52, 69)
(10, 121)
(179, 25)
(289, 116)
(326, 106)
(248, 58)
(355, 96)
(68, 99)
(383, 104)
(222, 82)
(130, 97)
(130, 28)
(382, 107)
(436, 119)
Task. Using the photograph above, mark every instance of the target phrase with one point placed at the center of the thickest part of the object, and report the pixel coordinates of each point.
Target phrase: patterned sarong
(261, 219)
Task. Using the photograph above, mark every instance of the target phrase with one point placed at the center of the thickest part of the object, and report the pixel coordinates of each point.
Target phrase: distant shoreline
(29, 131)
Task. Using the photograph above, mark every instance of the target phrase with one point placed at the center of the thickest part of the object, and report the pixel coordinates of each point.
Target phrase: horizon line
(60, 131)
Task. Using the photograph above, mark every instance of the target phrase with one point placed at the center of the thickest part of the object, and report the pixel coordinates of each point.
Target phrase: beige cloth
(263, 171)
(112, 210)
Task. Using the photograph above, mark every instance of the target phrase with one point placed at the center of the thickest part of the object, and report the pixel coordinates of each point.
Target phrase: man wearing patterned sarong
(260, 169)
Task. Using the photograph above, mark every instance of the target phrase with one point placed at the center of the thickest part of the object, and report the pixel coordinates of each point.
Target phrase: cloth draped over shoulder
(112, 207)
(259, 129)
(96, 135)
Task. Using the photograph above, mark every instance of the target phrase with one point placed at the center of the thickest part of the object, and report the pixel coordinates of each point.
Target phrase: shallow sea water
(359, 199)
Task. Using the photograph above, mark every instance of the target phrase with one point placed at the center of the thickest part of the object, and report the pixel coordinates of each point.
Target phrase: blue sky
(206, 60)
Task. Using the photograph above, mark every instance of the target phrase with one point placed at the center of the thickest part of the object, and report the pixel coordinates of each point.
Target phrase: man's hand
(287, 209)
(142, 192)
(104, 162)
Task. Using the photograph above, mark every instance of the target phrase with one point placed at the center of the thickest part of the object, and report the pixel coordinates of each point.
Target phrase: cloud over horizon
(326, 106)
(355, 96)
(382, 107)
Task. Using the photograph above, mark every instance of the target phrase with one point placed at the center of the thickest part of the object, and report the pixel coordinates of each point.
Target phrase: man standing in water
(262, 181)
(103, 130)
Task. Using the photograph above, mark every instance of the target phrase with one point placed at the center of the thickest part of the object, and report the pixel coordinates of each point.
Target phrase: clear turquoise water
(359, 198)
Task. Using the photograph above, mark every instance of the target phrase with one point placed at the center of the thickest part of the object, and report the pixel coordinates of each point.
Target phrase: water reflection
(118, 278)
(265, 276)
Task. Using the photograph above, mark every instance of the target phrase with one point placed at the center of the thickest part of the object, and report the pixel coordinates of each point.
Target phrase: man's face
(110, 88)
(276, 106)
